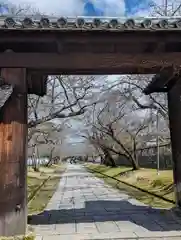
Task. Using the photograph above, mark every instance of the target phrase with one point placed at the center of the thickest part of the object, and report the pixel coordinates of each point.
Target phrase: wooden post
(13, 155)
(174, 105)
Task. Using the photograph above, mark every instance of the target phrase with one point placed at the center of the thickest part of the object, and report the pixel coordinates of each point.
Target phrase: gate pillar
(13, 155)
(174, 106)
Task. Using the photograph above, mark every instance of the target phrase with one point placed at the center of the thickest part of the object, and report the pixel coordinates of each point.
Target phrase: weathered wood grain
(13, 135)
(174, 106)
(91, 63)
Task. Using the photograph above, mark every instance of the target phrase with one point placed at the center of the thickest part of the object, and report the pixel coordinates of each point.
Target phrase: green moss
(44, 194)
(27, 237)
(146, 179)
(157, 183)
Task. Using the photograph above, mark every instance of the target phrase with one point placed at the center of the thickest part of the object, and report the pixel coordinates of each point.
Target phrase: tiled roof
(88, 23)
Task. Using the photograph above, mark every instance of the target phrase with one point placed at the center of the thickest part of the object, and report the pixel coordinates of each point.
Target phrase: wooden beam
(174, 106)
(37, 84)
(68, 35)
(96, 71)
(127, 42)
(13, 157)
(90, 62)
(160, 80)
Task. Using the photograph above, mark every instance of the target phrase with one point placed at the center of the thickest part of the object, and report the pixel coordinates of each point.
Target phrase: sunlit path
(83, 207)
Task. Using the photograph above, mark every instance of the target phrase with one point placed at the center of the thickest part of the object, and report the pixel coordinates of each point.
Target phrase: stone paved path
(83, 207)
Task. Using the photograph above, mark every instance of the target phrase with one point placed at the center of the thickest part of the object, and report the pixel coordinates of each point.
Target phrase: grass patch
(110, 171)
(148, 179)
(35, 179)
(27, 237)
(144, 178)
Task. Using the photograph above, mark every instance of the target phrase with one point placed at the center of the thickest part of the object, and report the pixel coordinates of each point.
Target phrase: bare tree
(47, 135)
(51, 142)
(109, 132)
(167, 8)
(19, 9)
(67, 96)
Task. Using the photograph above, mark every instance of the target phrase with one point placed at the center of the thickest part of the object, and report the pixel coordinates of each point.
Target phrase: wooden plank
(13, 148)
(124, 69)
(49, 35)
(84, 42)
(174, 106)
(90, 62)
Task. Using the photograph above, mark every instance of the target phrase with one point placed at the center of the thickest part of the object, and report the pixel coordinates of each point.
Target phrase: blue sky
(131, 7)
(89, 7)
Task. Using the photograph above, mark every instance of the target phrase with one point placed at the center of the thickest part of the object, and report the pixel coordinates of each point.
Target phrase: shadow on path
(103, 211)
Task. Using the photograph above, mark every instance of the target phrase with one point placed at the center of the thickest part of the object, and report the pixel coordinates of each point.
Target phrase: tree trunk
(102, 159)
(109, 161)
(134, 158)
(134, 165)
(133, 161)
(50, 158)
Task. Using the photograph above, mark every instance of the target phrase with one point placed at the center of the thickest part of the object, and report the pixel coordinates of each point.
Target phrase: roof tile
(88, 23)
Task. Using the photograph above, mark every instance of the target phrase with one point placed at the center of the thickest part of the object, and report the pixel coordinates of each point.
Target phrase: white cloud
(142, 13)
(76, 7)
(73, 7)
(66, 8)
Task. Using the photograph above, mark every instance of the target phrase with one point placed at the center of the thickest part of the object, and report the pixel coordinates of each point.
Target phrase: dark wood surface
(13, 155)
(90, 52)
(37, 84)
(174, 105)
(90, 63)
